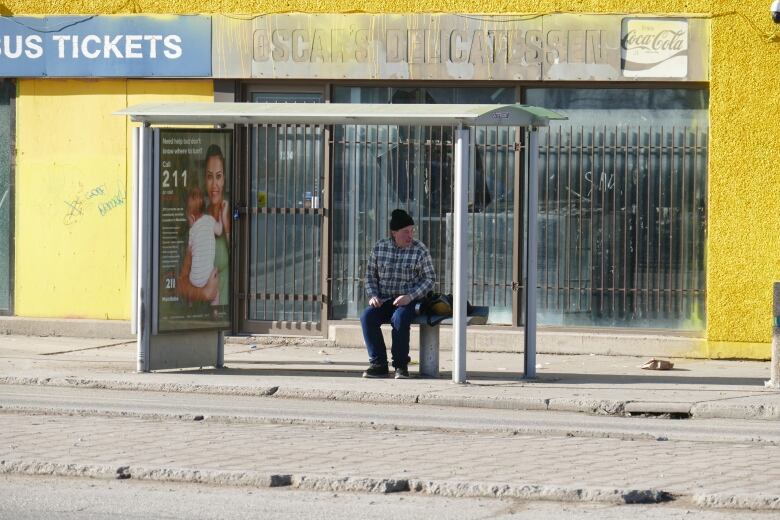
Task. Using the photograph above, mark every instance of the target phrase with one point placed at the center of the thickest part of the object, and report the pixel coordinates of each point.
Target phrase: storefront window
(379, 168)
(6, 215)
(623, 208)
(286, 181)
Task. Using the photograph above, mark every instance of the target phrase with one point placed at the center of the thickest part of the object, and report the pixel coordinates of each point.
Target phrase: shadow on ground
(349, 370)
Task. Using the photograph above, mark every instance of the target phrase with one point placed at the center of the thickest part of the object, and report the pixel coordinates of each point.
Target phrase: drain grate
(659, 415)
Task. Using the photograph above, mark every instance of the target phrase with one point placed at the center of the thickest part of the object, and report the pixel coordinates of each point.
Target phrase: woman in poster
(214, 288)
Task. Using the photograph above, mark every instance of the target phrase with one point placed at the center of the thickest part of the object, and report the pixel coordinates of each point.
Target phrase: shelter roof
(339, 114)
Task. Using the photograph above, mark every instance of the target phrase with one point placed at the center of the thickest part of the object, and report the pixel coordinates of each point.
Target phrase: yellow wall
(72, 184)
(743, 257)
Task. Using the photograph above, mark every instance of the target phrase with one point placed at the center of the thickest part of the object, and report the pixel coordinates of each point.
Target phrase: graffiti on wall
(95, 201)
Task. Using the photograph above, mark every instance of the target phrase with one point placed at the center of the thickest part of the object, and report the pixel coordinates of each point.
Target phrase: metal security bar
(286, 214)
(622, 219)
(622, 226)
(379, 168)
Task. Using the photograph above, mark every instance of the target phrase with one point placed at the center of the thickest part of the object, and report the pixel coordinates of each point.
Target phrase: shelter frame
(459, 116)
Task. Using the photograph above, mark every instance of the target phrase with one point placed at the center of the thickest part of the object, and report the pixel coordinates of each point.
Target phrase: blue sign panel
(105, 46)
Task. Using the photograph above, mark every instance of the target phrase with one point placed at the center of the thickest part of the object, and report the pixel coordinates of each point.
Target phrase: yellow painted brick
(72, 211)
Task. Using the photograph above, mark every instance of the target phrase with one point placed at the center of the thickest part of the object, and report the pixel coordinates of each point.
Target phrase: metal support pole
(134, 232)
(429, 350)
(143, 241)
(774, 382)
(529, 364)
(220, 349)
(460, 257)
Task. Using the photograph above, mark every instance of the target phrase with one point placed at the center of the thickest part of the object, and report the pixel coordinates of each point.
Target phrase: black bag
(437, 307)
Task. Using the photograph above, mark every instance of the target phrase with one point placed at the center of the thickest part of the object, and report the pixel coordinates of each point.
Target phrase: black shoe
(401, 373)
(376, 370)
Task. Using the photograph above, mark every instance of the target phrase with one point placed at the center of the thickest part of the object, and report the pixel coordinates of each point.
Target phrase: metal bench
(429, 339)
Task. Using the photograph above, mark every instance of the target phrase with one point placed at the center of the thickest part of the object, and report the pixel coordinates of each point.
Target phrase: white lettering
(94, 46)
(7, 46)
(173, 50)
(91, 54)
(133, 46)
(153, 39)
(34, 49)
(110, 46)
(60, 39)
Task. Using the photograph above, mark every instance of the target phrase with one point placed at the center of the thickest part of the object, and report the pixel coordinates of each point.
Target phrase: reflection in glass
(622, 213)
(379, 168)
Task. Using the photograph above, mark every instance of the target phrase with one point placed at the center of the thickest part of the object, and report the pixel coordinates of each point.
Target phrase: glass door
(282, 284)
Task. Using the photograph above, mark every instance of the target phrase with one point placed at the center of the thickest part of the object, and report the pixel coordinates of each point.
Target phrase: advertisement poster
(654, 48)
(195, 221)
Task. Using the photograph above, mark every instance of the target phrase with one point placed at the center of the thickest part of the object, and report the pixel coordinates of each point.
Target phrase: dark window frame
(12, 196)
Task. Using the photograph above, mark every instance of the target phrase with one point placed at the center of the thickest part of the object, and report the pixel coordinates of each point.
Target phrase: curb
(349, 483)
(346, 395)
(446, 488)
(375, 425)
(73, 382)
(751, 502)
(710, 410)
(702, 410)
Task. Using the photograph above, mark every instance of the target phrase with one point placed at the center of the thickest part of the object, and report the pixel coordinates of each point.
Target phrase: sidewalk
(313, 369)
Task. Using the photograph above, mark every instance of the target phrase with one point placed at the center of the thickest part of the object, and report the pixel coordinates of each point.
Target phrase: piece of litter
(326, 362)
(501, 368)
(657, 364)
(322, 352)
(252, 346)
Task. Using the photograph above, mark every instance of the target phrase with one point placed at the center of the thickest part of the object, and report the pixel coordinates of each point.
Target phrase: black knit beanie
(399, 219)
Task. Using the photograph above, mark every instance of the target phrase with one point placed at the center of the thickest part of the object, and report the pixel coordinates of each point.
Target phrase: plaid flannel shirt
(393, 271)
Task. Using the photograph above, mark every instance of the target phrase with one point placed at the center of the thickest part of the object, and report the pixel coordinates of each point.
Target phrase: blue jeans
(401, 320)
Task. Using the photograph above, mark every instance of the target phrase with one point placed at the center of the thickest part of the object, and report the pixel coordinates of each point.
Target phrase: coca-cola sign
(654, 48)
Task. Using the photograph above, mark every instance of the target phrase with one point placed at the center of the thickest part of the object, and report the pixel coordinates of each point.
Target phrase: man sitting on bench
(400, 272)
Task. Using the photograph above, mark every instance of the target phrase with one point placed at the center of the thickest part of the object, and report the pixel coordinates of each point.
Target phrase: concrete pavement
(283, 367)
(345, 457)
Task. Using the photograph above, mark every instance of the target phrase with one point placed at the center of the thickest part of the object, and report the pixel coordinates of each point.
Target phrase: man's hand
(402, 300)
(375, 302)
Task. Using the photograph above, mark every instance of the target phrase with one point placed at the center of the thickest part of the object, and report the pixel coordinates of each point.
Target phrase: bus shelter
(192, 343)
